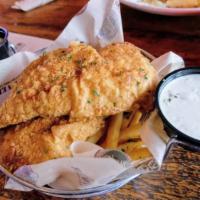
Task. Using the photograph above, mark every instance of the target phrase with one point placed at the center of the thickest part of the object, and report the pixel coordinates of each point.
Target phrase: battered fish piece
(127, 78)
(80, 82)
(43, 139)
(44, 87)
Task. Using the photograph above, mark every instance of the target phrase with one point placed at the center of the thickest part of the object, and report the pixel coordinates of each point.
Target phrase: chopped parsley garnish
(171, 97)
(78, 62)
(93, 63)
(138, 83)
(63, 87)
(69, 57)
(95, 93)
(141, 69)
(145, 77)
(88, 101)
(18, 91)
(55, 78)
(81, 63)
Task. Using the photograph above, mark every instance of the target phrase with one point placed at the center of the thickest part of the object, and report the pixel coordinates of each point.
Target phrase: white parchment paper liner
(27, 5)
(98, 23)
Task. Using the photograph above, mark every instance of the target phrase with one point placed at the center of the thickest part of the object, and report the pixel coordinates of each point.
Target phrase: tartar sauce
(180, 104)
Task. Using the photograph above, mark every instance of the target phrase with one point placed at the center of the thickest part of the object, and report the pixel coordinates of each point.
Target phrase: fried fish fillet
(114, 87)
(43, 139)
(43, 89)
(80, 82)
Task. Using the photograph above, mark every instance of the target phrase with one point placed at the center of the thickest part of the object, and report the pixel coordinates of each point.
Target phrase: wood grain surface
(179, 177)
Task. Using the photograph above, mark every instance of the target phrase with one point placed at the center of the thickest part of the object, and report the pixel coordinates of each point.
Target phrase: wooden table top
(179, 177)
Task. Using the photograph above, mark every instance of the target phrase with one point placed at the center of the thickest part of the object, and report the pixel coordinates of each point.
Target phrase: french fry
(132, 131)
(139, 153)
(95, 138)
(136, 150)
(136, 119)
(130, 146)
(114, 131)
(125, 123)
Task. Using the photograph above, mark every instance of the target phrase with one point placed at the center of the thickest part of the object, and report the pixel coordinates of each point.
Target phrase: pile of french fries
(124, 134)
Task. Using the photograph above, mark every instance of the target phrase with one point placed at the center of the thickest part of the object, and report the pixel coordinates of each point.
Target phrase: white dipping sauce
(180, 104)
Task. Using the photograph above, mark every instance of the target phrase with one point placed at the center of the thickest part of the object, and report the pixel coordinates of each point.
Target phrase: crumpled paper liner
(27, 5)
(98, 23)
(82, 171)
(27, 43)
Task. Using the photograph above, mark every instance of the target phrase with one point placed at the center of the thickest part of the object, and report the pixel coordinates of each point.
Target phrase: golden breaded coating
(114, 87)
(79, 82)
(43, 89)
(43, 139)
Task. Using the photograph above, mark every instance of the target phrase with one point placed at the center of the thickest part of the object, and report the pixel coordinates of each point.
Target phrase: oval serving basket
(76, 193)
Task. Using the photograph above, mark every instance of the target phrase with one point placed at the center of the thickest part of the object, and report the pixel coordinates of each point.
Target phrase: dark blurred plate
(161, 10)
